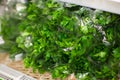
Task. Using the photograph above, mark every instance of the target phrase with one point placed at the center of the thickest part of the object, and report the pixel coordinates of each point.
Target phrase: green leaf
(101, 54)
(84, 29)
(116, 53)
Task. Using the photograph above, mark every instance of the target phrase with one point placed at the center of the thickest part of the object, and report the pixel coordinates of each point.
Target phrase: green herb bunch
(70, 39)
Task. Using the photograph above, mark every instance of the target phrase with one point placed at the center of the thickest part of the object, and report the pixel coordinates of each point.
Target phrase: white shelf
(112, 6)
(115, 1)
(7, 73)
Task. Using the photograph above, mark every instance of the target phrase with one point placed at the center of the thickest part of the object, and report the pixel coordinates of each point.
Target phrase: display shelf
(112, 6)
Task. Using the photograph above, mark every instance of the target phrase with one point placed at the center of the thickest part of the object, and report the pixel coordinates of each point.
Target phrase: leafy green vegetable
(62, 41)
